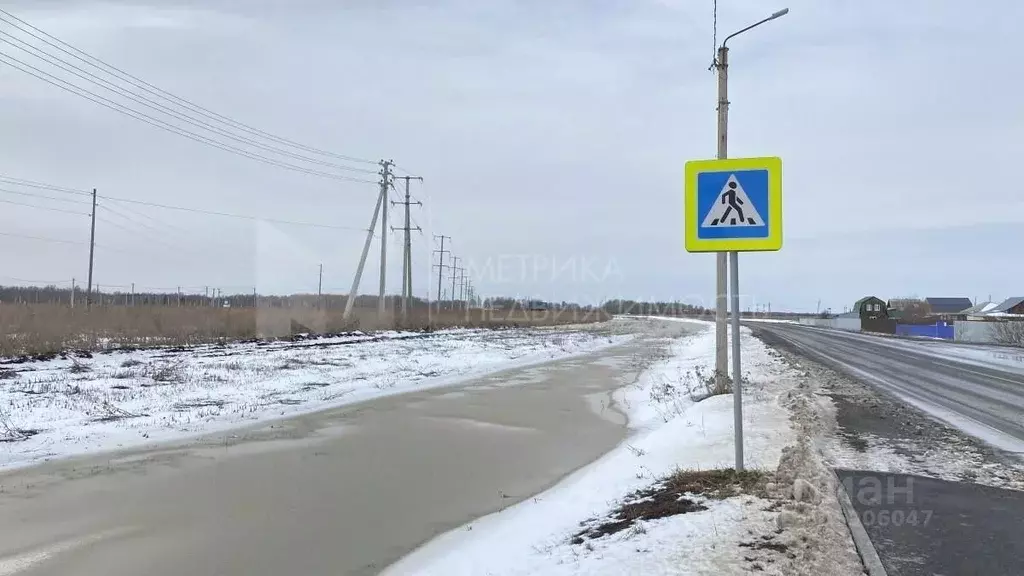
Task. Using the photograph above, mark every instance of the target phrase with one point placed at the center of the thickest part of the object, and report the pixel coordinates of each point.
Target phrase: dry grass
(681, 492)
(33, 329)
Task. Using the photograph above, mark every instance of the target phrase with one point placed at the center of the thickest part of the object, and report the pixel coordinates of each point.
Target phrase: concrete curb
(866, 550)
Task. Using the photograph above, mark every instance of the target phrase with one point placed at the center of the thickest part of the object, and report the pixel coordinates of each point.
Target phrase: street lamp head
(778, 14)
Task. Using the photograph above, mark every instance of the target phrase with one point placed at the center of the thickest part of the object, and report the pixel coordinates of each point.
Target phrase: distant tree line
(58, 295)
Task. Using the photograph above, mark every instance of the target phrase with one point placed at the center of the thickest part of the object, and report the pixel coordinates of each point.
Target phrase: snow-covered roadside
(670, 431)
(70, 406)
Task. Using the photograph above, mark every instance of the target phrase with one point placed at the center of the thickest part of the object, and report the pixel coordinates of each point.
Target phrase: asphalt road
(983, 400)
(924, 526)
(346, 491)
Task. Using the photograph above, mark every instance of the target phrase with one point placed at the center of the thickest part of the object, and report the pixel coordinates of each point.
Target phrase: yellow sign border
(773, 164)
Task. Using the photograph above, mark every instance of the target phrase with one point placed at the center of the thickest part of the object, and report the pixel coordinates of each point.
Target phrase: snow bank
(669, 431)
(69, 406)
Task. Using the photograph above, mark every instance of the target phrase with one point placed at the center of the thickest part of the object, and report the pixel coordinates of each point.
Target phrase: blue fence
(937, 330)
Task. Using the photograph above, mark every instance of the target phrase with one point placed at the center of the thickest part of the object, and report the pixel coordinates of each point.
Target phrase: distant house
(1010, 306)
(979, 310)
(948, 308)
(871, 307)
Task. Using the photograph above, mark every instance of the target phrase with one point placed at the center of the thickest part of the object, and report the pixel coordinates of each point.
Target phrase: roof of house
(980, 308)
(1005, 305)
(901, 303)
(948, 305)
(856, 305)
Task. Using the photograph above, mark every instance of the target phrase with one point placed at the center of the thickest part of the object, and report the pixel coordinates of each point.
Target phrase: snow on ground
(670, 431)
(68, 406)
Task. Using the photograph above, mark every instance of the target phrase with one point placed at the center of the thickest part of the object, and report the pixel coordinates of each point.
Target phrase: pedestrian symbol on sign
(732, 208)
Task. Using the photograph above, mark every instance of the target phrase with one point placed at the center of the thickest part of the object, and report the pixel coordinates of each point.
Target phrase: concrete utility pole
(721, 272)
(72, 293)
(385, 184)
(407, 256)
(92, 252)
(385, 181)
(320, 288)
(440, 266)
(722, 65)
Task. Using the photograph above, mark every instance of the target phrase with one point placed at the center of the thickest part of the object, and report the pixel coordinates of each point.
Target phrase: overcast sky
(551, 136)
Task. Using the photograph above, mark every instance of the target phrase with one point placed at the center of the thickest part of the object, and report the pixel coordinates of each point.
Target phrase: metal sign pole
(737, 378)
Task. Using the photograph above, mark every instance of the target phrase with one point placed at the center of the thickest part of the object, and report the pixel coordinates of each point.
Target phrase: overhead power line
(137, 82)
(43, 282)
(154, 105)
(37, 195)
(41, 185)
(44, 207)
(230, 215)
(134, 232)
(43, 238)
(156, 122)
(129, 201)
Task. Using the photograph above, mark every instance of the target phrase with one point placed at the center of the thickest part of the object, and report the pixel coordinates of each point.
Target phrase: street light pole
(721, 274)
(723, 258)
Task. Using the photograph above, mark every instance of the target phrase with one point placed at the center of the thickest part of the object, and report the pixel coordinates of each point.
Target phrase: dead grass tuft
(718, 484)
(679, 493)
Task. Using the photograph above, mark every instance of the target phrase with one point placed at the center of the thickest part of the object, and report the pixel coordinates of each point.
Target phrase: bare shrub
(10, 432)
(1010, 333)
(702, 385)
(131, 363)
(78, 368)
(168, 373)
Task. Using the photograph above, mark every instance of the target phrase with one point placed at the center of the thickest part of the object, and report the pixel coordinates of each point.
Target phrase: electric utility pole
(385, 185)
(92, 252)
(721, 262)
(320, 286)
(385, 181)
(721, 64)
(462, 284)
(440, 266)
(407, 257)
(455, 272)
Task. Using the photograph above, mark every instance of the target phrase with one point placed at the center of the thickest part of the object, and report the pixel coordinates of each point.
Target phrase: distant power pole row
(462, 286)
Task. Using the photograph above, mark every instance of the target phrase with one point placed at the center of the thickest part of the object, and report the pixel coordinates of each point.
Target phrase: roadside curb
(865, 549)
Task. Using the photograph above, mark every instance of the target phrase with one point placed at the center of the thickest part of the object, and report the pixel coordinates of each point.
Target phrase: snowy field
(70, 406)
(669, 431)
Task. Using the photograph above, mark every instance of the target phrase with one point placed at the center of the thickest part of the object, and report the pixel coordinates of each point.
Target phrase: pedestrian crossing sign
(733, 205)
